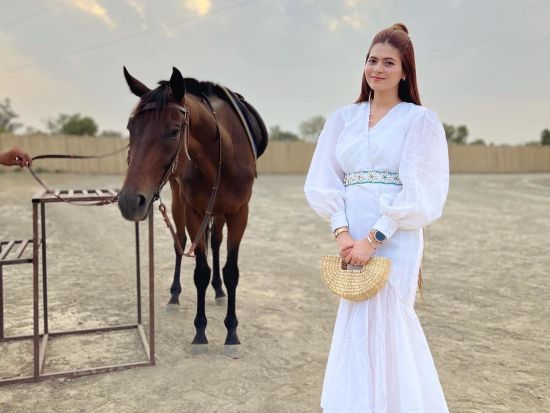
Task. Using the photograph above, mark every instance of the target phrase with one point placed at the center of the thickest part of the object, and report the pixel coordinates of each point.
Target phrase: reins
(167, 175)
(209, 208)
(172, 169)
(69, 156)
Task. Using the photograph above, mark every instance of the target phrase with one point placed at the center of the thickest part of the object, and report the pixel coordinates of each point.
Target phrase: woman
(380, 172)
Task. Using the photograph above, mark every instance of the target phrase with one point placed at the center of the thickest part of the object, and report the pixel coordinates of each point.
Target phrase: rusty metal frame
(13, 252)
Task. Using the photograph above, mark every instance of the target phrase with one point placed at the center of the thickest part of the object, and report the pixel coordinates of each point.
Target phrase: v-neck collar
(382, 118)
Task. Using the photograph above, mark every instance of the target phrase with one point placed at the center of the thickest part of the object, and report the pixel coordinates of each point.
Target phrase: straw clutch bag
(355, 285)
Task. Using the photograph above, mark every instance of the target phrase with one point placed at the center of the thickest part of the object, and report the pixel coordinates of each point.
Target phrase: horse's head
(157, 130)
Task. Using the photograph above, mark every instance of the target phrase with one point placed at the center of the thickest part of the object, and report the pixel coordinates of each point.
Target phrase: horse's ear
(136, 87)
(177, 85)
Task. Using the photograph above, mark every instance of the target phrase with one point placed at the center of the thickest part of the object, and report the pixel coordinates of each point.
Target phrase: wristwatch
(378, 236)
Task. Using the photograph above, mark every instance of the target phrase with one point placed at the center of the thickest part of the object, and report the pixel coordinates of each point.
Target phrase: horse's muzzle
(134, 206)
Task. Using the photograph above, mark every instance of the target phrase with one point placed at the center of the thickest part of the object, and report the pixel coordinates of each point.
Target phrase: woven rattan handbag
(355, 285)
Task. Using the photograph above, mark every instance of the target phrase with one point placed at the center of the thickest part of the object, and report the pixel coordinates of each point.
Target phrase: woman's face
(384, 69)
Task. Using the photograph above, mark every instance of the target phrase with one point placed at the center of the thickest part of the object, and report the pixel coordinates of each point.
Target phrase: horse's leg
(216, 240)
(236, 225)
(201, 277)
(178, 214)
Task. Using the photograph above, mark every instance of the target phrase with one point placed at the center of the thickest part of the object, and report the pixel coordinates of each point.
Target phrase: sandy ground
(486, 313)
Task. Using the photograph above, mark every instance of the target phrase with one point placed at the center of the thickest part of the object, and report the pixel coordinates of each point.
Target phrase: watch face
(379, 236)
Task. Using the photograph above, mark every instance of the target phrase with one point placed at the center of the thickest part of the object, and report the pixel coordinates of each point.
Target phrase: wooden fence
(279, 158)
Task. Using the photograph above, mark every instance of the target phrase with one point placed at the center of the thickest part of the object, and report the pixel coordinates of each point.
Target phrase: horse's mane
(162, 96)
(198, 88)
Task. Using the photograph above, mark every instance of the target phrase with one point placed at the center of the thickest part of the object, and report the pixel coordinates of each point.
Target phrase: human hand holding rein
(15, 156)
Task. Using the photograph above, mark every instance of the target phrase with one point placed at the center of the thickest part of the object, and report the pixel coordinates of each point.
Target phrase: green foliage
(311, 129)
(545, 137)
(72, 125)
(457, 134)
(276, 134)
(110, 134)
(478, 142)
(7, 115)
(30, 130)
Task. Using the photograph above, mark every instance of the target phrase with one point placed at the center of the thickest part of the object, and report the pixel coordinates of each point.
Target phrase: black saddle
(254, 122)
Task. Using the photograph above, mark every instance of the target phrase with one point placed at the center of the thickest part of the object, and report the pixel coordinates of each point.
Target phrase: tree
(110, 134)
(276, 134)
(311, 129)
(456, 134)
(72, 125)
(31, 130)
(478, 142)
(7, 115)
(545, 137)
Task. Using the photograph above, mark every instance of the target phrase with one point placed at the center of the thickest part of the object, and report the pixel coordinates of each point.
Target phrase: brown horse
(187, 133)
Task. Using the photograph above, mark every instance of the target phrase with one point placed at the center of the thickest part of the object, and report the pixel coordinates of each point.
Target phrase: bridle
(184, 127)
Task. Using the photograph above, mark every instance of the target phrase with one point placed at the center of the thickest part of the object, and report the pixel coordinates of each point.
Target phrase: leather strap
(172, 169)
(210, 207)
(69, 156)
(76, 203)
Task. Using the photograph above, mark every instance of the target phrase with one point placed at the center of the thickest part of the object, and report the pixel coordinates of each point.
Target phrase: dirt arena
(485, 311)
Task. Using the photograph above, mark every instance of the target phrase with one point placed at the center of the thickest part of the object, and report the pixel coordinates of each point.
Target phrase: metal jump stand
(20, 252)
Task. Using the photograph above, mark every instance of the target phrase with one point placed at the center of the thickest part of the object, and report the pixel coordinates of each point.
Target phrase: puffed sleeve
(324, 187)
(424, 173)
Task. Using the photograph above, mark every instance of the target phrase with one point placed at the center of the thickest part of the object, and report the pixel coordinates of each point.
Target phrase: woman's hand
(360, 254)
(345, 244)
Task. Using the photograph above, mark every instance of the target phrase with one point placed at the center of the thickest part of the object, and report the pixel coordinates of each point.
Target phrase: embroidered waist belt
(372, 177)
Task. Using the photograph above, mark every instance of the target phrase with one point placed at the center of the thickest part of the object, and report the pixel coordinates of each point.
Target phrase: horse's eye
(174, 133)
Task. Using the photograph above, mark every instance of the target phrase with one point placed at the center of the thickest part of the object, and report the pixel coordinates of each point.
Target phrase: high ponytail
(397, 36)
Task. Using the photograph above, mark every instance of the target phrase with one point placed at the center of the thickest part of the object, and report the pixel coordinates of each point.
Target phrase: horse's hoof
(170, 308)
(232, 350)
(221, 300)
(199, 349)
(174, 300)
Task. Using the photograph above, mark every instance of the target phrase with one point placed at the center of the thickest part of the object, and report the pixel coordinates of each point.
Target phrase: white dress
(379, 360)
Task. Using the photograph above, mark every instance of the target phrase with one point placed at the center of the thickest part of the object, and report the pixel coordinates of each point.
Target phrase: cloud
(351, 16)
(354, 20)
(169, 33)
(94, 8)
(333, 25)
(139, 8)
(354, 3)
(454, 3)
(201, 7)
(33, 90)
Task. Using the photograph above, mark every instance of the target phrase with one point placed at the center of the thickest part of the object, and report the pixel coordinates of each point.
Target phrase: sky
(480, 63)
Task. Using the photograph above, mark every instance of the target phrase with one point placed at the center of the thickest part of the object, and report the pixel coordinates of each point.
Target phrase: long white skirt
(379, 360)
